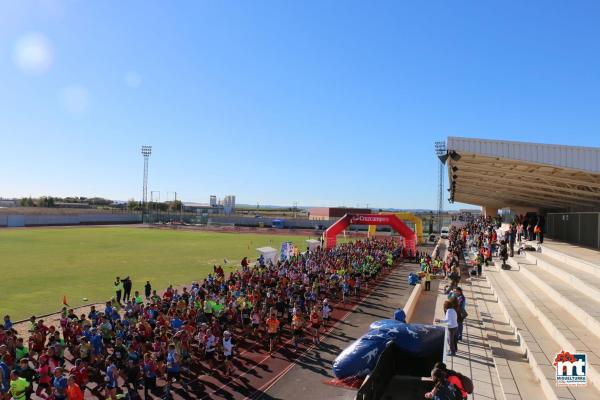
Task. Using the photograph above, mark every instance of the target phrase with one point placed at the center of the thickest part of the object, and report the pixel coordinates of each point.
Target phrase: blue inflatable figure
(360, 357)
(413, 341)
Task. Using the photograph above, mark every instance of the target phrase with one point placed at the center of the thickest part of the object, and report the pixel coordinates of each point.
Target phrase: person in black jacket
(147, 290)
(126, 289)
(511, 237)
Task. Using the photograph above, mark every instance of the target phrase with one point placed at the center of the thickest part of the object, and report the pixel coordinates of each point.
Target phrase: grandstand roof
(499, 174)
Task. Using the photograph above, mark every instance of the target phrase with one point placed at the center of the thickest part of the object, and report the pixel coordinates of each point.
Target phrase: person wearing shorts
(315, 324)
(297, 328)
(211, 342)
(255, 322)
(112, 373)
(326, 310)
(149, 370)
(227, 352)
(44, 378)
(173, 367)
(272, 331)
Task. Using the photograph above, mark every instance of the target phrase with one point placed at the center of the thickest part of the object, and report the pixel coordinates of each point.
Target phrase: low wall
(10, 220)
(411, 304)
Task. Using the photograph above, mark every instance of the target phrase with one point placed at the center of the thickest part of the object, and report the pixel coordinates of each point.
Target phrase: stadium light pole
(442, 153)
(146, 151)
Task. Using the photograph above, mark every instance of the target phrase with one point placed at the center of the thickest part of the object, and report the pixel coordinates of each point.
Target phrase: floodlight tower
(146, 151)
(441, 152)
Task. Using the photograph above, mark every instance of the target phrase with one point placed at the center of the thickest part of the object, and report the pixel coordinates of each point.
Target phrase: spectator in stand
(460, 306)
(531, 229)
(451, 322)
(456, 379)
(442, 388)
(539, 227)
(510, 238)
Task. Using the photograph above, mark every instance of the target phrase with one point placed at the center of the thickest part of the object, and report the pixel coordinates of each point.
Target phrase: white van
(444, 233)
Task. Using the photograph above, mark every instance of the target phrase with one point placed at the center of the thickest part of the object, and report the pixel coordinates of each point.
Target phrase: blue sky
(315, 102)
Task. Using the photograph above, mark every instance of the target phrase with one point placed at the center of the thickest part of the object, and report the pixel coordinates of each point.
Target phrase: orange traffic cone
(65, 300)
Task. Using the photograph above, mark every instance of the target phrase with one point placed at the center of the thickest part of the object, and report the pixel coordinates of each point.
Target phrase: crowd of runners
(130, 343)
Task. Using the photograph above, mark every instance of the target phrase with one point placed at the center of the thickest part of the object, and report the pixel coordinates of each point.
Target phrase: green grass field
(39, 266)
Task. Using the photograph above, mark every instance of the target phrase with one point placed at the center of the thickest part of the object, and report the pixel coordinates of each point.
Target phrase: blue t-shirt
(6, 378)
(60, 384)
(149, 372)
(97, 341)
(172, 365)
(176, 324)
(111, 376)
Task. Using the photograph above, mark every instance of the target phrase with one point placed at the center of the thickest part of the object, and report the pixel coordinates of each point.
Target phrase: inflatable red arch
(410, 238)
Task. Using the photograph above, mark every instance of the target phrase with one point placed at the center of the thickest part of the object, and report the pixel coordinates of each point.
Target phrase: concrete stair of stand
(578, 273)
(515, 377)
(580, 258)
(584, 307)
(540, 326)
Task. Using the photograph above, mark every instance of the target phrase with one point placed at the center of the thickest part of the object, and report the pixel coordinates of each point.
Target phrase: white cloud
(133, 79)
(33, 53)
(74, 99)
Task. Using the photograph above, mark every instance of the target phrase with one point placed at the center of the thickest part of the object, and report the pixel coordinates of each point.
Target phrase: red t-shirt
(81, 375)
(455, 380)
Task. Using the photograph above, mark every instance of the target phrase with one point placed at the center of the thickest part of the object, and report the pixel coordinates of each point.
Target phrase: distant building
(229, 204)
(201, 208)
(213, 200)
(8, 203)
(229, 201)
(330, 213)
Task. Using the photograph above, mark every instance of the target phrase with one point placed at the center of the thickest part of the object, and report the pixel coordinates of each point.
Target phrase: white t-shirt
(227, 347)
(451, 318)
(326, 310)
(211, 341)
